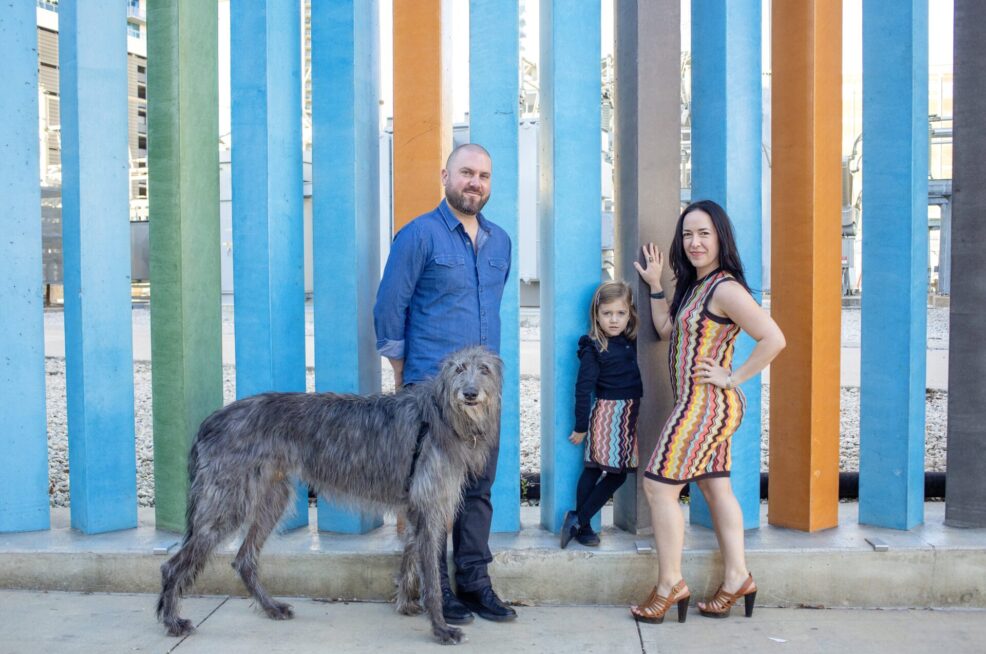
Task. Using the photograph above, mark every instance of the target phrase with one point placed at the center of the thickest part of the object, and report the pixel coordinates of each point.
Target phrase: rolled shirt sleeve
(404, 265)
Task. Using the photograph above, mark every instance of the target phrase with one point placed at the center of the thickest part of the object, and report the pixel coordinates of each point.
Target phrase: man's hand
(398, 366)
(576, 437)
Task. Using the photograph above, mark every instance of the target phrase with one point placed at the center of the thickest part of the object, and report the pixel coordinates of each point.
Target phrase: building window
(133, 30)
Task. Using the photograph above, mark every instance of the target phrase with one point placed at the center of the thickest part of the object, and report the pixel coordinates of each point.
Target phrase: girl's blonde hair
(606, 293)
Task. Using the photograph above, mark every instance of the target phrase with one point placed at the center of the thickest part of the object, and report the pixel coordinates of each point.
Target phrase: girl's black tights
(591, 496)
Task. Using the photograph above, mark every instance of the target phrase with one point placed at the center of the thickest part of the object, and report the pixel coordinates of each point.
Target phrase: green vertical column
(183, 155)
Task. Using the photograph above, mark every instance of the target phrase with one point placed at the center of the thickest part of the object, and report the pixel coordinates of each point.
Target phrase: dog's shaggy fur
(361, 447)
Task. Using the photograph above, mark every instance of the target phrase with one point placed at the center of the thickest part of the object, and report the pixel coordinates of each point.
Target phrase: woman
(712, 303)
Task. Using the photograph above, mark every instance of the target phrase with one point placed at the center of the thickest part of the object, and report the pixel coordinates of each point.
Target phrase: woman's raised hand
(654, 260)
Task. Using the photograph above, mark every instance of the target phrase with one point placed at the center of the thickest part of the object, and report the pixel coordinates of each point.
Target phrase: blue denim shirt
(438, 294)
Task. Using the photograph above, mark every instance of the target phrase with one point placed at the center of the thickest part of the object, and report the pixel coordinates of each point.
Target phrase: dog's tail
(193, 496)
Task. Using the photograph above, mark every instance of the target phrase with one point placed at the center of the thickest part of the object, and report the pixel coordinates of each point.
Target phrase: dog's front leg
(426, 543)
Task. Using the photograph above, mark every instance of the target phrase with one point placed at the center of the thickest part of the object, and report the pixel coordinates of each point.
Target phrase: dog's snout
(470, 394)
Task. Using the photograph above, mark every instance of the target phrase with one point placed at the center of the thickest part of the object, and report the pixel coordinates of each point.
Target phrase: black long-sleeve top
(609, 375)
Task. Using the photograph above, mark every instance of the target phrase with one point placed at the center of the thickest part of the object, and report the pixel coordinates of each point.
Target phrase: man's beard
(467, 204)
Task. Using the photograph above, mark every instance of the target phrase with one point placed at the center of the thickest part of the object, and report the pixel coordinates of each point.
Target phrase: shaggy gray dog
(409, 452)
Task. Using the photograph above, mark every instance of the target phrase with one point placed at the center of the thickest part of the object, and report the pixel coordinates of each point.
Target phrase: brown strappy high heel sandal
(653, 608)
(721, 603)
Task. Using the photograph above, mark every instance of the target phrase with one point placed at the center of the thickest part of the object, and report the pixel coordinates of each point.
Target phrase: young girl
(711, 304)
(608, 370)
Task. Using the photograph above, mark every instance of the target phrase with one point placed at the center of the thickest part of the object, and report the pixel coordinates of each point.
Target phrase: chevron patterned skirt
(612, 442)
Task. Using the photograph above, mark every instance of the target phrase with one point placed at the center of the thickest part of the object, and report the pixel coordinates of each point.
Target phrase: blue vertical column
(726, 135)
(895, 258)
(570, 193)
(268, 227)
(346, 211)
(494, 86)
(96, 245)
(23, 434)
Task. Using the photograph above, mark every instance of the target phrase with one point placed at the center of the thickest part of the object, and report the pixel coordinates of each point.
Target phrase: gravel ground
(936, 412)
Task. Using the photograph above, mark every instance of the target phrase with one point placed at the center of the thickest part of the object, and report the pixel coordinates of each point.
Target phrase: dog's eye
(459, 369)
(484, 369)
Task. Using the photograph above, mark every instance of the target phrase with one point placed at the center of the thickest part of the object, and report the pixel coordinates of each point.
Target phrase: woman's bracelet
(657, 296)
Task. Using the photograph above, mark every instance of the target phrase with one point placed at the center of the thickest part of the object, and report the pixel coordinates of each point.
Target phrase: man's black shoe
(569, 528)
(453, 609)
(586, 536)
(487, 605)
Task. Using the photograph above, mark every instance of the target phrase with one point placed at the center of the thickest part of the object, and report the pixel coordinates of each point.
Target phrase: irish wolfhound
(409, 452)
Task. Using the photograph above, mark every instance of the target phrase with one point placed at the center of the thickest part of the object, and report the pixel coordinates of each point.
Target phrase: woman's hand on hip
(707, 372)
(576, 437)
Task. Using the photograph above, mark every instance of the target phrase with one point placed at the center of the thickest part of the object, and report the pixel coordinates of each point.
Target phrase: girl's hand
(576, 437)
(707, 372)
(655, 262)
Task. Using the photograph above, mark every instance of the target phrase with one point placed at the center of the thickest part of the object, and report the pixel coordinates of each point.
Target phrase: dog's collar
(417, 453)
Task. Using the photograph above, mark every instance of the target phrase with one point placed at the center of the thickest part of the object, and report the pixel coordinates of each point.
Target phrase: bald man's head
(466, 147)
(466, 178)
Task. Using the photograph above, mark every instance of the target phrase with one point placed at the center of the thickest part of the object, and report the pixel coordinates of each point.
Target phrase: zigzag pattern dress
(694, 443)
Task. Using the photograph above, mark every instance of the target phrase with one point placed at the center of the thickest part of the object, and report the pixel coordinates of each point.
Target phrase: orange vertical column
(805, 259)
(422, 105)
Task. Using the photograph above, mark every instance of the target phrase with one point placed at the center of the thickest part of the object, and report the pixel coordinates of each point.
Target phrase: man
(440, 292)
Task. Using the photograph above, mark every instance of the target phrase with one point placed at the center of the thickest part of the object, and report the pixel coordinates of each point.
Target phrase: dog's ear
(497, 368)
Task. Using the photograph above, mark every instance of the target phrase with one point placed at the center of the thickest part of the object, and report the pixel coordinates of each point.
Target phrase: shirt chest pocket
(447, 273)
(495, 271)
(492, 274)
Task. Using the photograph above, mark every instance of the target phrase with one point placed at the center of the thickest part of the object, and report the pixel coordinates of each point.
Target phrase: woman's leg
(669, 531)
(727, 519)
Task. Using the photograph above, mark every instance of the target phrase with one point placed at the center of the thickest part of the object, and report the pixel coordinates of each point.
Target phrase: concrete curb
(930, 566)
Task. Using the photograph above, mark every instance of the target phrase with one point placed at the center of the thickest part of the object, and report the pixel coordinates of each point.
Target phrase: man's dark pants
(471, 533)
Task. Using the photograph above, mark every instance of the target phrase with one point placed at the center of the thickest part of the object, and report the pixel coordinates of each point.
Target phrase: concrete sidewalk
(69, 623)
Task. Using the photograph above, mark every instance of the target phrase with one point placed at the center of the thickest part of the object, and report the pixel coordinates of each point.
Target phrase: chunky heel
(721, 603)
(750, 599)
(654, 608)
(683, 608)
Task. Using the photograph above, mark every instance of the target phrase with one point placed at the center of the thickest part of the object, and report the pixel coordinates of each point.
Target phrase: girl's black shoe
(586, 536)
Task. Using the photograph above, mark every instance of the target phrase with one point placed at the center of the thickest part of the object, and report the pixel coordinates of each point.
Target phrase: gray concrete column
(965, 499)
(648, 165)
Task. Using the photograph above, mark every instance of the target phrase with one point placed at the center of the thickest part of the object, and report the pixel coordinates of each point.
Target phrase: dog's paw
(279, 611)
(447, 635)
(179, 627)
(409, 607)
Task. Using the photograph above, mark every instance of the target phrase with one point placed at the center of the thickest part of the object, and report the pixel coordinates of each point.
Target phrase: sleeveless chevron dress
(694, 443)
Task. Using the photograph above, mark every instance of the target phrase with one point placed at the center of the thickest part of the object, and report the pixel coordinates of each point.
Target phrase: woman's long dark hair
(729, 258)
